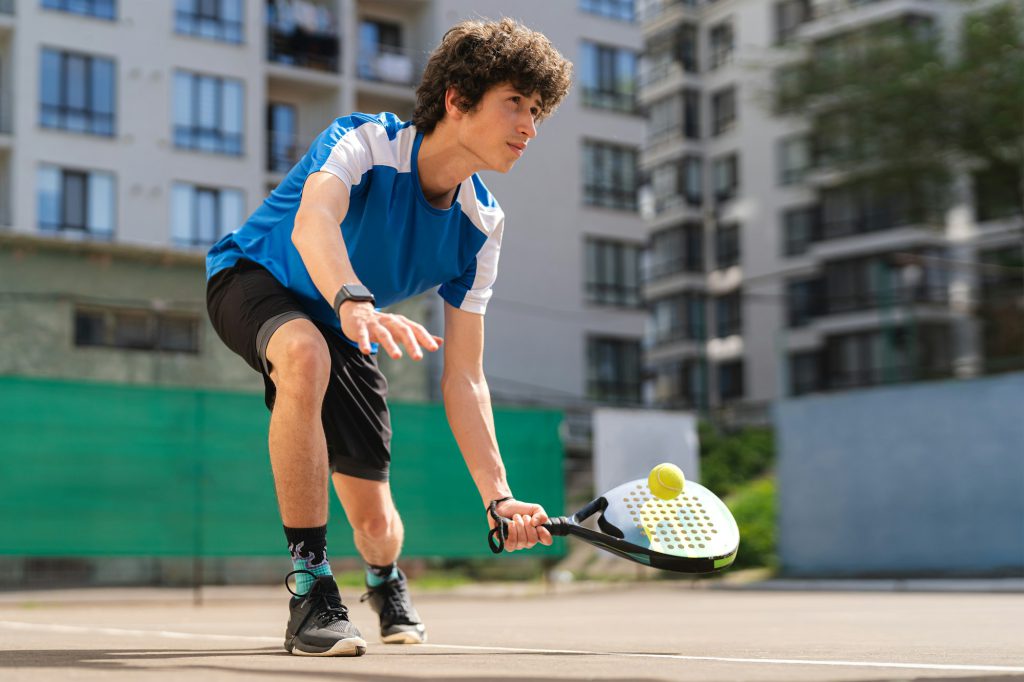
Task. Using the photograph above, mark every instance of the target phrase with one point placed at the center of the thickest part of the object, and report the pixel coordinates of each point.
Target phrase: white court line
(75, 629)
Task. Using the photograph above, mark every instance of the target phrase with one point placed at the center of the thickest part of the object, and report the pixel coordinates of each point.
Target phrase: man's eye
(516, 99)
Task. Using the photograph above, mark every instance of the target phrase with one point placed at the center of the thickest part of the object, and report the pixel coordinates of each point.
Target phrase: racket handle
(558, 526)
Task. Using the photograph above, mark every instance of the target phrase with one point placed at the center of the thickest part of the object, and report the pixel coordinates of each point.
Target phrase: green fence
(102, 470)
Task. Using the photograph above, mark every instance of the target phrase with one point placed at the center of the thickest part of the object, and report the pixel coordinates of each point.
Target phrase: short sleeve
(472, 290)
(342, 150)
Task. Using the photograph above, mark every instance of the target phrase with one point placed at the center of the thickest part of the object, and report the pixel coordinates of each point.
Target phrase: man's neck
(443, 164)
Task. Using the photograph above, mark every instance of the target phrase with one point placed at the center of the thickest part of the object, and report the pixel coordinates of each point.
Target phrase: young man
(377, 211)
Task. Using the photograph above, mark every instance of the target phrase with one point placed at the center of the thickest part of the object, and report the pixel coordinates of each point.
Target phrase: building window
(208, 113)
(213, 19)
(787, 88)
(609, 176)
(613, 9)
(101, 9)
(691, 114)
(309, 42)
(726, 177)
(794, 159)
(677, 318)
(608, 76)
(727, 245)
(131, 329)
(800, 226)
(676, 250)
(728, 315)
(996, 193)
(382, 55)
(202, 215)
(693, 180)
(789, 15)
(613, 273)
(282, 137)
(681, 385)
(730, 380)
(804, 303)
(665, 119)
(686, 40)
(723, 110)
(613, 370)
(857, 209)
(73, 201)
(805, 372)
(721, 44)
(77, 93)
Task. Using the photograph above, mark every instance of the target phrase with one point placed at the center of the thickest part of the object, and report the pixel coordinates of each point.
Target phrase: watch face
(358, 292)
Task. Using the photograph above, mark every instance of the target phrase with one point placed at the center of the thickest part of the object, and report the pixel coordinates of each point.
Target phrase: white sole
(353, 646)
(408, 637)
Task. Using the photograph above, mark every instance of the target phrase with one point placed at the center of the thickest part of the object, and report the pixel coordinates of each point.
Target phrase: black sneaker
(399, 622)
(319, 624)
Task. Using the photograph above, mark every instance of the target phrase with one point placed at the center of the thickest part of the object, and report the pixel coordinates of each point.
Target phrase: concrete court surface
(652, 631)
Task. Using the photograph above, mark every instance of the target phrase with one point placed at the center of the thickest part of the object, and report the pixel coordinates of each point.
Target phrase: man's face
(499, 128)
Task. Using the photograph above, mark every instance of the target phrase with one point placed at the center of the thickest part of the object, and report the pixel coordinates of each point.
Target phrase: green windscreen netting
(100, 469)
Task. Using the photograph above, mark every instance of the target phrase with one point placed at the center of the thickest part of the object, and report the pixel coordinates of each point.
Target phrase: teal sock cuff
(374, 578)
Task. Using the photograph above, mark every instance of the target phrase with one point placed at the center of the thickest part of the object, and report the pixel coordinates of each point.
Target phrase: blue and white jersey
(399, 244)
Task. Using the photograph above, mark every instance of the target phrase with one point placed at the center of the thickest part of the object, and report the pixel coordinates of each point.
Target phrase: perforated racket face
(696, 524)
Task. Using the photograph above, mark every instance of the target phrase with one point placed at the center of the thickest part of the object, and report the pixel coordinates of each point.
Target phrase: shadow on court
(121, 660)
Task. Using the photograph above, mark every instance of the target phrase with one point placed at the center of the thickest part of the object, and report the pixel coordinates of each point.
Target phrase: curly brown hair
(475, 55)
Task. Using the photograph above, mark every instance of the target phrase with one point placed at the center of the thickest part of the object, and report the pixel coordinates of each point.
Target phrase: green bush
(753, 506)
(729, 460)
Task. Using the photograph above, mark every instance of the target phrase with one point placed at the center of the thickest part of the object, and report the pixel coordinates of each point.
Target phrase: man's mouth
(518, 149)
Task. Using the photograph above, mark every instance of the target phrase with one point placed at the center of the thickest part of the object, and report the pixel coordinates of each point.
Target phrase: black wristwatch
(352, 292)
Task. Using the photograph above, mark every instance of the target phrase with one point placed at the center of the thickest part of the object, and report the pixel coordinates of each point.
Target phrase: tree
(895, 109)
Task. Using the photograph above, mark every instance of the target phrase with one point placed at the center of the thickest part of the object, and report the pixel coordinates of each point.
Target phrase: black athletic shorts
(247, 305)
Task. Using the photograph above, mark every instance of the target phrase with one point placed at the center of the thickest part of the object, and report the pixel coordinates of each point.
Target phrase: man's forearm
(467, 402)
(319, 243)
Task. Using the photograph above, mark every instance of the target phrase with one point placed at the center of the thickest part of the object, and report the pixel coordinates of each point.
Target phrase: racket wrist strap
(496, 536)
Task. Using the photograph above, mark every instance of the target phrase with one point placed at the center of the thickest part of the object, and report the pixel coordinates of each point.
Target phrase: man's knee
(376, 525)
(299, 357)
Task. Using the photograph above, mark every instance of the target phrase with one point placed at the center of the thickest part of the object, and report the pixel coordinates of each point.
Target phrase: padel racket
(692, 533)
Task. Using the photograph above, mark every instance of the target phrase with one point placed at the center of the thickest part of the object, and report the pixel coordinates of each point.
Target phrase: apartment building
(767, 275)
(162, 125)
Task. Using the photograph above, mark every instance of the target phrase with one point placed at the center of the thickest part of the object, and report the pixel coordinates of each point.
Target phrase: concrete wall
(42, 280)
(921, 479)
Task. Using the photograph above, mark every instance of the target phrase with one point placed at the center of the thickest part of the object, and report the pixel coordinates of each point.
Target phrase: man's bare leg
(378, 533)
(376, 526)
(300, 369)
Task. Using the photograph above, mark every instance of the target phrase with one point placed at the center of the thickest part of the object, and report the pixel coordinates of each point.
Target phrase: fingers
(383, 336)
(363, 339)
(408, 333)
(524, 532)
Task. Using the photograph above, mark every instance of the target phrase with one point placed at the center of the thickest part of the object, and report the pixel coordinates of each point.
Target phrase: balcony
(388, 64)
(311, 43)
(651, 11)
(898, 304)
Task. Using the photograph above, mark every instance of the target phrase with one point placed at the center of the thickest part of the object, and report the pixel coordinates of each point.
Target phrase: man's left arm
(467, 402)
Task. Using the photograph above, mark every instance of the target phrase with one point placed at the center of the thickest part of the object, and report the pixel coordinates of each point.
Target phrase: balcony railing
(387, 64)
(309, 44)
(818, 307)
(651, 10)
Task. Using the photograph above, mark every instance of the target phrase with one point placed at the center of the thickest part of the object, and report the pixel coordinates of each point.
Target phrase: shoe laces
(331, 609)
(396, 597)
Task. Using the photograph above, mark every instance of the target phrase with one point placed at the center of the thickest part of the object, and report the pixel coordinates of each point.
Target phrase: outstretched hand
(525, 524)
(364, 325)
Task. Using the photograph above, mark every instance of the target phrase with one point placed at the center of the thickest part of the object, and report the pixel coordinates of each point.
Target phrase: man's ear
(452, 99)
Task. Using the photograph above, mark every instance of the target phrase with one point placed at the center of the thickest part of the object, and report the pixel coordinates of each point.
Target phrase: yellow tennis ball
(666, 481)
